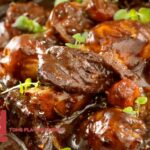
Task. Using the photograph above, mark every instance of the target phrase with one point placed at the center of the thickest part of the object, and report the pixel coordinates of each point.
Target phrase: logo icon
(3, 130)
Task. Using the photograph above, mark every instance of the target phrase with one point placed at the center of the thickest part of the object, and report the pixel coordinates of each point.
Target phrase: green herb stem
(18, 87)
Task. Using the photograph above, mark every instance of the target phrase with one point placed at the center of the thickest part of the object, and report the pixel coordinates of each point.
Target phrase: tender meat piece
(110, 129)
(101, 10)
(74, 70)
(31, 10)
(26, 117)
(4, 36)
(69, 18)
(46, 102)
(130, 39)
(123, 93)
(19, 59)
(112, 59)
(123, 44)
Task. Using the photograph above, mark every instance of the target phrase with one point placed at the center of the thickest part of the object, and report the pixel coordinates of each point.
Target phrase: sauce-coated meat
(19, 59)
(74, 70)
(46, 102)
(95, 96)
(101, 10)
(130, 39)
(123, 93)
(31, 10)
(110, 129)
(69, 18)
(124, 45)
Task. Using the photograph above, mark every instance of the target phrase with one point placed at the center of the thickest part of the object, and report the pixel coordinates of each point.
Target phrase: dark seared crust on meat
(74, 70)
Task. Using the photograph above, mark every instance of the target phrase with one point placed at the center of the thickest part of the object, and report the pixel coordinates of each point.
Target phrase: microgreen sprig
(66, 148)
(26, 24)
(80, 38)
(23, 86)
(142, 15)
(129, 110)
(60, 1)
(63, 1)
(139, 101)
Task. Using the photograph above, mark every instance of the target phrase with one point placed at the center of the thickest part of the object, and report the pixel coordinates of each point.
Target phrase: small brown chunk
(123, 93)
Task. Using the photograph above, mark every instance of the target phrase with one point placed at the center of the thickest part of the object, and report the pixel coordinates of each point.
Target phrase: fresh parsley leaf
(141, 100)
(24, 23)
(60, 1)
(129, 110)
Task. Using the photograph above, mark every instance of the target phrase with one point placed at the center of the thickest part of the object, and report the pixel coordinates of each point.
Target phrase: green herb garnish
(139, 101)
(142, 15)
(66, 148)
(60, 1)
(80, 39)
(26, 24)
(79, 1)
(63, 1)
(72, 45)
(129, 110)
(23, 86)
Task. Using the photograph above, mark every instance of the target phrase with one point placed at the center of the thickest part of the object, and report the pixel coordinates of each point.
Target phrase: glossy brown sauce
(84, 90)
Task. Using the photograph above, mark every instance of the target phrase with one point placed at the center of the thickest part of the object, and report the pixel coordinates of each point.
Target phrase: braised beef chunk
(46, 102)
(69, 18)
(124, 45)
(109, 129)
(72, 76)
(123, 93)
(101, 10)
(130, 39)
(74, 70)
(19, 58)
(114, 61)
(36, 108)
(31, 10)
